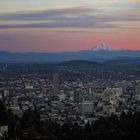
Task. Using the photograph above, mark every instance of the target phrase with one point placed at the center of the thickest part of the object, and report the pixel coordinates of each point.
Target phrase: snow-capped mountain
(103, 46)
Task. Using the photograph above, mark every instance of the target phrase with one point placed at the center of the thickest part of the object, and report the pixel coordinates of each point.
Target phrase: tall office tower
(56, 82)
(77, 96)
(137, 91)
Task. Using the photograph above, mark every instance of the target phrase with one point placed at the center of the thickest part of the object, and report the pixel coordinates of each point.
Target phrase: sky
(68, 25)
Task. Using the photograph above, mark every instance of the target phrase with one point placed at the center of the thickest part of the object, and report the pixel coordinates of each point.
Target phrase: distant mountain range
(80, 63)
(101, 52)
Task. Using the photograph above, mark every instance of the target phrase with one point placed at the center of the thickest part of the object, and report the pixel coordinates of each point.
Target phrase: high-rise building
(56, 82)
(77, 96)
(137, 89)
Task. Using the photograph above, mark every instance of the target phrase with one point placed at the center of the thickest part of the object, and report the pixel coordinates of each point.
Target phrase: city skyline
(63, 25)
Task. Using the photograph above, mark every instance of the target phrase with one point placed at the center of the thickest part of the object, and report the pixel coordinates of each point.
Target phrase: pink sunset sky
(64, 25)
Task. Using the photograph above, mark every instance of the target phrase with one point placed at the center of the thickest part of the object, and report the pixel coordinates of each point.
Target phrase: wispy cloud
(76, 17)
(10, 37)
(136, 1)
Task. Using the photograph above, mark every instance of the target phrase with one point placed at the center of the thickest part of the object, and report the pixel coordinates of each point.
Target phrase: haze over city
(68, 25)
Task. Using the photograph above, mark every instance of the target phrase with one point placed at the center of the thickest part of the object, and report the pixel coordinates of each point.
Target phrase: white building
(3, 130)
(86, 107)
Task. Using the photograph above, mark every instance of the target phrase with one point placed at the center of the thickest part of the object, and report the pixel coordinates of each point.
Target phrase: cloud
(7, 37)
(76, 17)
(135, 1)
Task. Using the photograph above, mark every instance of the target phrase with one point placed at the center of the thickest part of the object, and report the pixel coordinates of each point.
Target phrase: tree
(31, 133)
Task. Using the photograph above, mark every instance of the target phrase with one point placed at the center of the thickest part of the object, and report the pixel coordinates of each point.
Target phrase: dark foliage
(30, 127)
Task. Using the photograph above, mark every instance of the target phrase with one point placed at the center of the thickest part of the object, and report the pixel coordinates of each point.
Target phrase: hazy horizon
(68, 51)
